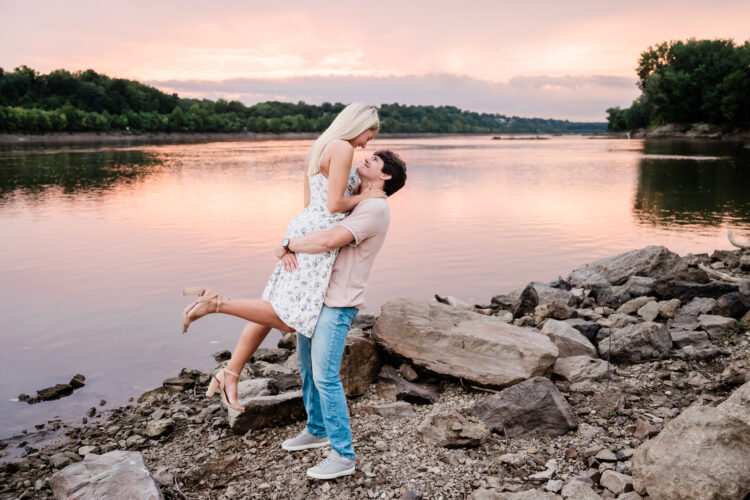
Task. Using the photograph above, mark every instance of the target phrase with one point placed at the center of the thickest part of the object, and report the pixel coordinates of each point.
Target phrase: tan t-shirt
(368, 223)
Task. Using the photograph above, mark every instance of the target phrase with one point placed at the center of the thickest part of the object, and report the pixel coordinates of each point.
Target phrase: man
(359, 236)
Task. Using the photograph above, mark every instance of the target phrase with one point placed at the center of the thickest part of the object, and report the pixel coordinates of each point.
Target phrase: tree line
(697, 81)
(89, 101)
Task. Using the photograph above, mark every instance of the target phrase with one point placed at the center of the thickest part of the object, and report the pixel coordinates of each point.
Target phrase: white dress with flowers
(297, 297)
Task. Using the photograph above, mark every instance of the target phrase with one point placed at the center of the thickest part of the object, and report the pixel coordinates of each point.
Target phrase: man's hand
(279, 251)
(289, 260)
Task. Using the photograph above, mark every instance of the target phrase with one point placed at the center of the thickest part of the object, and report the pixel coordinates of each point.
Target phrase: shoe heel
(212, 386)
(193, 291)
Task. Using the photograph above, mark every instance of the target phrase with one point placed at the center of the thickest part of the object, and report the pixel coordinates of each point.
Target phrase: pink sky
(542, 58)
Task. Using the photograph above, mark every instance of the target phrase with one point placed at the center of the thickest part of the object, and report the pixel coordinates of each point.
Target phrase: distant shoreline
(59, 138)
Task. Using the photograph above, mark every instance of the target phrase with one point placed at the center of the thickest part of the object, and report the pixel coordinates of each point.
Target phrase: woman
(292, 300)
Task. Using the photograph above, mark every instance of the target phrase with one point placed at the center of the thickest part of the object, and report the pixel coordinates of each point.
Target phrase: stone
(718, 327)
(737, 371)
(669, 308)
(533, 408)
(222, 355)
(61, 460)
(288, 341)
(617, 320)
(514, 459)
(632, 306)
(462, 344)
(616, 482)
(729, 258)
(505, 316)
(568, 340)
(649, 262)
(580, 368)
(527, 302)
(360, 363)
(406, 371)
(644, 430)
(697, 352)
(266, 411)
(579, 490)
(156, 428)
(606, 455)
(649, 311)
(399, 409)
(178, 384)
(117, 474)
(364, 321)
(630, 495)
(586, 328)
(405, 390)
(708, 445)
(731, 305)
(556, 310)
(268, 355)
(687, 291)
(636, 343)
(286, 375)
(77, 381)
(155, 396)
(257, 387)
(553, 485)
(745, 262)
(449, 428)
(85, 450)
(51, 393)
(638, 286)
(682, 338)
(491, 494)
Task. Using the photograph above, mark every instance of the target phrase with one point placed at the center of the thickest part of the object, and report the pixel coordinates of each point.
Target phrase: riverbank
(699, 131)
(638, 355)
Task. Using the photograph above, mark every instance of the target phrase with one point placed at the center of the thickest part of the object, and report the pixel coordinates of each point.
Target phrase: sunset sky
(539, 58)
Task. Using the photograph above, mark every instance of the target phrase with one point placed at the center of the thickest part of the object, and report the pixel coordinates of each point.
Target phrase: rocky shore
(628, 379)
(700, 131)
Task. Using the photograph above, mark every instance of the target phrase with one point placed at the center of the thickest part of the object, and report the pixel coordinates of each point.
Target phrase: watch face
(285, 243)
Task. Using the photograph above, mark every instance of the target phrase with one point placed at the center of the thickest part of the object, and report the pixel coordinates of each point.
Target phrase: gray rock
(737, 371)
(709, 445)
(266, 411)
(568, 340)
(579, 490)
(359, 364)
(268, 355)
(718, 326)
(729, 258)
(449, 428)
(731, 305)
(682, 338)
(616, 482)
(155, 396)
(178, 384)
(687, 291)
(697, 306)
(650, 262)
(555, 310)
(617, 320)
(77, 381)
(491, 494)
(632, 306)
(527, 302)
(547, 294)
(156, 428)
(408, 372)
(462, 344)
(630, 495)
(745, 262)
(531, 408)
(586, 328)
(638, 286)
(117, 474)
(637, 343)
(60, 460)
(288, 341)
(649, 311)
(286, 375)
(580, 368)
(696, 352)
(257, 387)
(405, 390)
(399, 409)
(669, 308)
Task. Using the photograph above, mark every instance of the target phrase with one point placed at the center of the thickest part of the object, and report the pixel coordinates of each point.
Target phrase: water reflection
(73, 171)
(709, 189)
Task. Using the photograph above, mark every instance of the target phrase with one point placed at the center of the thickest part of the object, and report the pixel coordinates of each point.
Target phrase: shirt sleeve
(365, 221)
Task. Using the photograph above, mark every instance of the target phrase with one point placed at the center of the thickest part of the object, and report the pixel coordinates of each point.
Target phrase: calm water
(98, 242)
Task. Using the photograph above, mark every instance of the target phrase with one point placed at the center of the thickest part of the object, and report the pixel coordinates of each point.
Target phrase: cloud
(579, 98)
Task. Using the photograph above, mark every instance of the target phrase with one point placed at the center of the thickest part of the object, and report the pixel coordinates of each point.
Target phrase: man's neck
(375, 184)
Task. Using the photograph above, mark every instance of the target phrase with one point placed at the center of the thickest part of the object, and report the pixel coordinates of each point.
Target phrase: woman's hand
(289, 260)
(371, 192)
(279, 251)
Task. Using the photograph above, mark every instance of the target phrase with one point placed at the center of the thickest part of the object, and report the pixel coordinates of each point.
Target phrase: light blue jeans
(319, 362)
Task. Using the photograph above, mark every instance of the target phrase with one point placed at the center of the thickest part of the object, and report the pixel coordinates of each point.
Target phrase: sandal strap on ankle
(218, 302)
(231, 372)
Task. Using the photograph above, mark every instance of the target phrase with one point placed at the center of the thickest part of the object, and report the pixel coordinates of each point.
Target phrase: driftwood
(735, 243)
(726, 276)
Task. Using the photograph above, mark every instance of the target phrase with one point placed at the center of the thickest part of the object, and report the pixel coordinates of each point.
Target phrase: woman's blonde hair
(353, 120)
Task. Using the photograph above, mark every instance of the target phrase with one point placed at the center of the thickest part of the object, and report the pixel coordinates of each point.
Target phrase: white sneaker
(304, 441)
(333, 466)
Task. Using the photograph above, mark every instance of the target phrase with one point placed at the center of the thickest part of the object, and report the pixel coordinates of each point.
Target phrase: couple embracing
(318, 285)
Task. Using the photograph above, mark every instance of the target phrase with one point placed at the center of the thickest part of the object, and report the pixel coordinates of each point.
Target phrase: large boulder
(117, 474)
(717, 327)
(569, 341)
(636, 343)
(359, 364)
(649, 262)
(267, 411)
(703, 453)
(463, 344)
(533, 408)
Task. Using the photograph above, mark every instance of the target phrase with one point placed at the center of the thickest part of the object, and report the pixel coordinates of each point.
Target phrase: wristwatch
(285, 245)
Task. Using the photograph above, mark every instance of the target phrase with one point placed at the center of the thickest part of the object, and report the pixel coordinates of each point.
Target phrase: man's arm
(319, 241)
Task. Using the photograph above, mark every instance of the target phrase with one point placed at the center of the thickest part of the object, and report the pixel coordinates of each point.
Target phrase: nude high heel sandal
(201, 298)
(219, 384)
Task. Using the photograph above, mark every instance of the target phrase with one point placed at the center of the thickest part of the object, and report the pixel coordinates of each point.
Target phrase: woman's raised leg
(251, 337)
(254, 310)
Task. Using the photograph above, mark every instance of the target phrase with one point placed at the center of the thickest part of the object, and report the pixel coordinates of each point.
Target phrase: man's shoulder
(373, 205)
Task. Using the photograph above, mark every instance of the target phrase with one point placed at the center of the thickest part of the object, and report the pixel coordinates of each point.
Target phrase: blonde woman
(292, 300)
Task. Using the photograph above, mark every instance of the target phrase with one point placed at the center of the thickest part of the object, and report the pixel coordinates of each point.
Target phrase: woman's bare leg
(252, 336)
